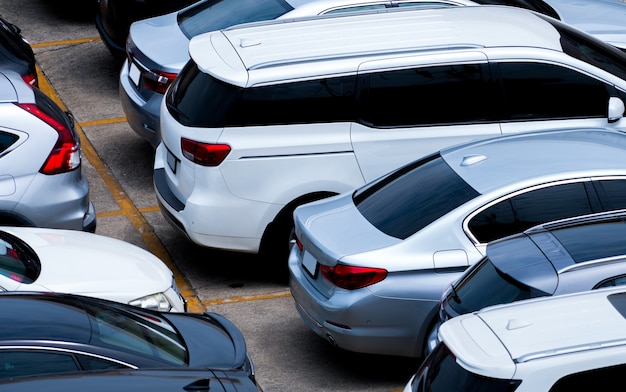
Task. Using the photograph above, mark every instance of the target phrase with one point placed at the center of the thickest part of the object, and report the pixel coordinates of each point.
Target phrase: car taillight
(205, 154)
(65, 156)
(31, 79)
(351, 278)
(158, 81)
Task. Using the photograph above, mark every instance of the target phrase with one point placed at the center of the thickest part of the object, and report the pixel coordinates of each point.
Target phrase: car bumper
(142, 116)
(212, 217)
(360, 320)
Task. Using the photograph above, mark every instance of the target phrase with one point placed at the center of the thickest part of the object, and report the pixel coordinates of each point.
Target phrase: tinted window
(441, 373)
(544, 91)
(485, 285)
(528, 209)
(604, 379)
(28, 363)
(196, 99)
(92, 363)
(218, 14)
(424, 96)
(613, 193)
(313, 101)
(138, 332)
(407, 200)
(6, 140)
(617, 281)
(199, 100)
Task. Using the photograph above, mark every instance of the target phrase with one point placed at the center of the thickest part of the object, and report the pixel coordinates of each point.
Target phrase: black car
(50, 333)
(114, 17)
(162, 380)
(16, 53)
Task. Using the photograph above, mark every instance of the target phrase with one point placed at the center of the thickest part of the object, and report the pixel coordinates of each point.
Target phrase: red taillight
(158, 81)
(299, 244)
(351, 278)
(65, 155)
(205, 154)
(31, 79)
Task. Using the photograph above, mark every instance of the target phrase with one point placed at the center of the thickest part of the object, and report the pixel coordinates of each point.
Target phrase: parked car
(563, 343)
(52, 333)
(70, 261)
(162, 380)
(241, 146)
(576, 254)
(370, 266)
(114, 17)
(149, 69)
(16, 53)
(41, 183)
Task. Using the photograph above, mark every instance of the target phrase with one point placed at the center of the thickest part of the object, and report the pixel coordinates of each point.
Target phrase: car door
(412, 106)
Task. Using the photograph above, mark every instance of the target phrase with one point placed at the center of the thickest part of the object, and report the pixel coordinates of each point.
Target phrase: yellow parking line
(246, 298)
(104, 121)
(65, 42)
(126, 205)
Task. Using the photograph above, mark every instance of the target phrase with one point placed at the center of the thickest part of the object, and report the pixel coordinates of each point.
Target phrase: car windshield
(441, 373)
(410, 198)
(484, 285)
(138, 332)
(214, 15)
(18, 261)
(591, 50)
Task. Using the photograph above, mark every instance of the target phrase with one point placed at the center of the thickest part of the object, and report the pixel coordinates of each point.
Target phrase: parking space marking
(126, 205)
(245, 298)
(65, 42)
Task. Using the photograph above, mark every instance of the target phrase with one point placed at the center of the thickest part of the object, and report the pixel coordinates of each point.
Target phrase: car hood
(603, 19)
(334, 228)
(161, 40)
(83, 263)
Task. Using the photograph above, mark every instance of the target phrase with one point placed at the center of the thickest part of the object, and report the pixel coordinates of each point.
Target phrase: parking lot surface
(77, 70)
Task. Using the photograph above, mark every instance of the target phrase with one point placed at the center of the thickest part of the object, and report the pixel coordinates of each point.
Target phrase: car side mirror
(616, 109)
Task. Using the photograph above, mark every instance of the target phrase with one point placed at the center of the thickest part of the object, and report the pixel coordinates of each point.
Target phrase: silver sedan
(370, 266)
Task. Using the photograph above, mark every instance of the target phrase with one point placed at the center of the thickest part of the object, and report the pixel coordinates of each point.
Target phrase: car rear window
(441, 373)
(410, 198)
(218, 14)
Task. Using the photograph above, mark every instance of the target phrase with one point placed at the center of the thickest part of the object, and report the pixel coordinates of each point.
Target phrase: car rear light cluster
(65, 155)
(351, 277)
(158, 81)
(31, 79)
(205, 154)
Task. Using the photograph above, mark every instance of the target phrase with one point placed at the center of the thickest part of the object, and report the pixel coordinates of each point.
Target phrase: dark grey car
(566, 256)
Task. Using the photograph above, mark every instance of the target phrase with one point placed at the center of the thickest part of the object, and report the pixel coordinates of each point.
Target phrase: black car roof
(536, 256)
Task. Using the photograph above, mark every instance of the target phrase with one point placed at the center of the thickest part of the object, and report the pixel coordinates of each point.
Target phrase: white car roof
(300, 48)
(493, 340)
(538, 157)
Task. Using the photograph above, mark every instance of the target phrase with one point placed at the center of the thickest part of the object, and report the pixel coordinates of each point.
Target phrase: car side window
(603, 379)
(612, 193)
(523, 211)
(6, 140)
(92, 363)
(21, 363)
(356, 8)
(536, 91)
(613, 282)
(437, 95)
